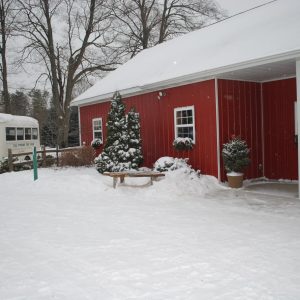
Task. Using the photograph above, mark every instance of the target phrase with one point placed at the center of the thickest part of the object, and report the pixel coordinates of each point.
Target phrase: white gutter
(191, 78)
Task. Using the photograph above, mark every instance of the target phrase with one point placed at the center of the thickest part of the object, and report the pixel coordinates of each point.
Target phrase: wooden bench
(115, 175)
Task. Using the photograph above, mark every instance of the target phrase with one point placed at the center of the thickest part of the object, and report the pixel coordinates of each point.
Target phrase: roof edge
(191, 78)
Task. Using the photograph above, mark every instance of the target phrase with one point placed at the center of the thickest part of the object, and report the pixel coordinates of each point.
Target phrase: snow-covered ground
(70, 235)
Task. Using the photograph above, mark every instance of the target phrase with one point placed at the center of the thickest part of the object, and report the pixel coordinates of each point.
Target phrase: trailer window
(27, 134)
(20, 134)
(34, 133)
(10, 133)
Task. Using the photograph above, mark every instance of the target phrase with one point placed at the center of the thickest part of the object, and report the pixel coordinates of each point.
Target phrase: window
(97, 129)
(20, 134)
(184, 118)
(27, 134)
(10, 133)
(34, 133)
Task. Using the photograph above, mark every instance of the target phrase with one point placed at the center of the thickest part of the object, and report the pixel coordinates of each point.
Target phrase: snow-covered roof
(15, 121)
(262, 35)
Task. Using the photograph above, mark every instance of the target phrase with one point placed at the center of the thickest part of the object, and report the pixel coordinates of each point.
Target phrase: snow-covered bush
(235, 155)
(3, 165)
(183, 143)
(96, 143)
(167, 163)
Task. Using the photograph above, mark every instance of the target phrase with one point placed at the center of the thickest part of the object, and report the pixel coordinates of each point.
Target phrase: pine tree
(135, 142)
(115, 156)
(235, 155)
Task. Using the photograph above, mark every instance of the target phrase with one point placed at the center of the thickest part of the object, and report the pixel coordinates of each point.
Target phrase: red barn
(235, 77)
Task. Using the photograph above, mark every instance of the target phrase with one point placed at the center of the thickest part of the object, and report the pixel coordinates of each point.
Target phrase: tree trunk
(7, 106)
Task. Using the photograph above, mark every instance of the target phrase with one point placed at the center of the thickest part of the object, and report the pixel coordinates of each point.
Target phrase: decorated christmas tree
(115, 156)
(135, 142)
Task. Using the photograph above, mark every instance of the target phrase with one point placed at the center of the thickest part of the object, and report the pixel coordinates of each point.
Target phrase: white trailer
(18, 133)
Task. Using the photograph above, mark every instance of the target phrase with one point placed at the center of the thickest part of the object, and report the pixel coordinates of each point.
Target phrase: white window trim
(97, 119)
(185, 125)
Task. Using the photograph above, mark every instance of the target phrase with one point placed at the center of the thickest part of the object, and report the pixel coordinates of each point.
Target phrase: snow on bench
(115, 175)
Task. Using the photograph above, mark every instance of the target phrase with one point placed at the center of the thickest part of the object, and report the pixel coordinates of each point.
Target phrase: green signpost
(35, 165)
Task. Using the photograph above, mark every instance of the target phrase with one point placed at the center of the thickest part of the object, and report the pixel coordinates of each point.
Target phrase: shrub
(167, 164)
(86, 156)
(235, 155)
(3, 165)
(79, 157)
(183, 143)
(50, 160)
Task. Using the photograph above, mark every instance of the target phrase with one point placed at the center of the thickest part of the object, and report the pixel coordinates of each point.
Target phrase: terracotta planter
(235, 180)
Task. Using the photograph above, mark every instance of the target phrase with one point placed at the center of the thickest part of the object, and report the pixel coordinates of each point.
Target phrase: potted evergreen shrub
(235, 155)
(183, 143)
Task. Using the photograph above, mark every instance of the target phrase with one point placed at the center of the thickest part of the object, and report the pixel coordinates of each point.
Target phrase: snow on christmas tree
(135, 142)
(115, 156)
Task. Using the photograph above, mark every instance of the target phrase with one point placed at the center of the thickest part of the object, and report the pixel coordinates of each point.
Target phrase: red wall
(281, 158)
(240, 115)
(262, 114)
(157, 123)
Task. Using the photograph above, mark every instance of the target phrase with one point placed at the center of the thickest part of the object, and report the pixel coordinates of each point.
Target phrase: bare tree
(72, 38)
(6, 20)
(146, 23)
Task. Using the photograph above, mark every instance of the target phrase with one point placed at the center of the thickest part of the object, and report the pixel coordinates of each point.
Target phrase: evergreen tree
(20, 103)
(39, 111)
(235, 155)
(115, 156)
(74, 127)
(49, 132)
(135, 142)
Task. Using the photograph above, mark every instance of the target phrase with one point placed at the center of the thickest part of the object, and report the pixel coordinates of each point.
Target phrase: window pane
(27, 133)
(20, 134)
(34, 133)
(98, 135)
(10, 133)
(185, 123)
(185, 132)
(97, 124)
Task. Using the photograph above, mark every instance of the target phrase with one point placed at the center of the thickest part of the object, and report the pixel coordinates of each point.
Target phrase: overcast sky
(236, 6)
(26, 79)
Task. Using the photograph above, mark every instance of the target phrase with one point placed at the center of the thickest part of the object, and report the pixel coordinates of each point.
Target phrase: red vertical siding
(157, 123)
(240, 115)
(281, 159)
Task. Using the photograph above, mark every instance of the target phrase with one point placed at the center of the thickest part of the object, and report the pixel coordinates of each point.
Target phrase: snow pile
(182, 179)
(70, 235)
(183, 182)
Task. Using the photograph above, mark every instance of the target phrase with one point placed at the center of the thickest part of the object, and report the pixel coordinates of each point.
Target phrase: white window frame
(97, 119)
(185, 125)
